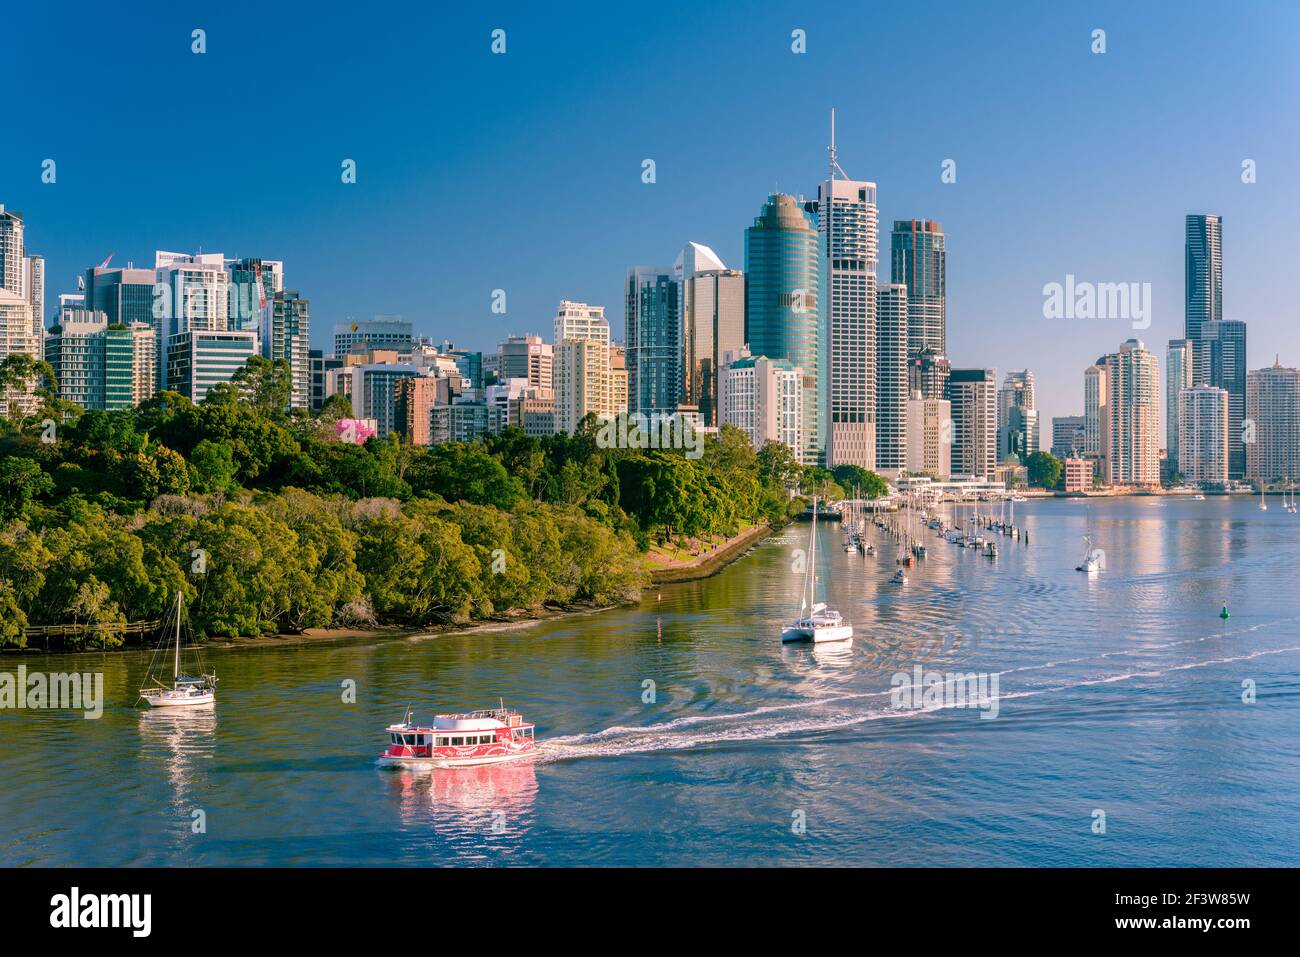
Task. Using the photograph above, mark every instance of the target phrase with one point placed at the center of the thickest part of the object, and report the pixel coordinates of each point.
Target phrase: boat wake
(830, 714)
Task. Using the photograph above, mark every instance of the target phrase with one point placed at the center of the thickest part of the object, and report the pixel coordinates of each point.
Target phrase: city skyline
(1127, 226)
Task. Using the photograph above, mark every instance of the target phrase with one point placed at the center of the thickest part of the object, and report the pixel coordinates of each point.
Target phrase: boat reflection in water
(180, 740)
(493, 799)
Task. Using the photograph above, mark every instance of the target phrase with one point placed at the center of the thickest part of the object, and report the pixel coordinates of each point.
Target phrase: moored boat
(461, 740)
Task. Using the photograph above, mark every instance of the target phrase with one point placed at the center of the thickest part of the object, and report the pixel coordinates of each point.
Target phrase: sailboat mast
(176, 666)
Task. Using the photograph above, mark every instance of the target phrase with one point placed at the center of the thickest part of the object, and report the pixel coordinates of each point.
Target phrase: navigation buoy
(1224, 614)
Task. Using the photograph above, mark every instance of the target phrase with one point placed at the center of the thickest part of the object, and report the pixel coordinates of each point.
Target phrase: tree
(1044, 469)
(21, 480)
(212, 467)
(22, 375)
(464, 472)
(857, 480)
(266, 384)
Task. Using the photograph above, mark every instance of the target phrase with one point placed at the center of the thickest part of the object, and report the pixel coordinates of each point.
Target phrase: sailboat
(1094, 559)
(1288, 506)
(1263, 505)
(184, 691)
(821, 624)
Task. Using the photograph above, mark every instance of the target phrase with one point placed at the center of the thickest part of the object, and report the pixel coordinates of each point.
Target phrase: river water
(1123, 700)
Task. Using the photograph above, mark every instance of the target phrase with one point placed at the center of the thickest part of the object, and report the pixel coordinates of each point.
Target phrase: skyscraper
(382, 332)
(918, 259)
(1069, 434)
(1096, 424)
(929, 436)
(286, 334)
(1223, 342)
(582, 370)
(193, 296)
(20, 331)
(1203, 278)
(654, 346)
(1179, 362)
(34, 284)
(124, 294)
(762, 397)
(1273, 414)
(1203, 434)
(845, 212)
(927, 371)
(892, 322)
(1133, 415)
(253, 284)
(713, 324)
(1017, 417)
(973, 396)
(12, 250)
(784, 313)
(527, 357)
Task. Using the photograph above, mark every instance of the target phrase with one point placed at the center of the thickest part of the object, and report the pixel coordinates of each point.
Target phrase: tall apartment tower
(34, 284)
(1203, 279)
(1273, 406)
(1096, 424)
(713, 324)
(785, 315)
(12, 251)
(527, 357)
(1223, 342)
(1018, 431)
(20, 331)
(846, 216)
(1203, 438)
(892, 322)
(654, 344)
(917, 257)
(1179, 361)
(583, 378)
(286, 334)
(973, 397)
(1133, 415)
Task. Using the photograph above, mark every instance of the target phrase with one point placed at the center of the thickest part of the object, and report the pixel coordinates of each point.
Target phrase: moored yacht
(821, 624)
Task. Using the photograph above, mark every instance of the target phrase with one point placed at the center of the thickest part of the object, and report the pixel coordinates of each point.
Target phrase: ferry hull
(415, 764)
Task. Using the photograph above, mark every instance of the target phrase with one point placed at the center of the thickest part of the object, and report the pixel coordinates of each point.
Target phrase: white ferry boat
(459, 740)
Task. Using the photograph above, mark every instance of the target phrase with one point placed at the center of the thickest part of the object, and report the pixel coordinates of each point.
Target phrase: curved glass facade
(784, 313)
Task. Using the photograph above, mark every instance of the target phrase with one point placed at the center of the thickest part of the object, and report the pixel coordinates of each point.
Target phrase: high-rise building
(654, 346)
(713, 324)
(144, 345)
(892, 321)
(846, 217)
(583, 382)
(124, 294)
(12, 251)
(784, 313)
(528, 357)
(382, 332)
(1069, 435)
(763, 398)
(75, 350)
(1203, 434)
(919, 260)
(973, 397)
(1179, 363)
(1224, 343)
(927, 372)
(34, 284)
(286, 334)
(321, 366)
(1096, 424)
(198, 359)
(253, 284)
(1017, 417)
(579, 320)
(414, 399)
(929, 436)
(192, 294)
(1133, 415)
(374, 393)
(1203, 279)
(1273, 424)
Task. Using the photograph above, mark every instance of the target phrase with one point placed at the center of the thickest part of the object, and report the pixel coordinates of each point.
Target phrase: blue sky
(522, 172)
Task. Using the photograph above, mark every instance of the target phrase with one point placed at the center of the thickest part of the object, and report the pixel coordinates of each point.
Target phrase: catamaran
(184, 691)
(821, 623)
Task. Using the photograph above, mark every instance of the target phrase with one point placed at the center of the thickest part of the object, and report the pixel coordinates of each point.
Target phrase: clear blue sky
(522, 171)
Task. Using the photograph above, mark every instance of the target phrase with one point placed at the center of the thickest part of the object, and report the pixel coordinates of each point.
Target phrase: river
(1124, 700)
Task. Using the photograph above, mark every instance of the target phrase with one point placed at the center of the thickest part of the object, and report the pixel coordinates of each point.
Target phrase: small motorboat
(900, 577)
(1198, 498)
(464, 740)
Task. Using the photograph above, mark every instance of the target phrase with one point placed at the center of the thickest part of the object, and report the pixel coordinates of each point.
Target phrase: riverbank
(711, 562)
(341, 636)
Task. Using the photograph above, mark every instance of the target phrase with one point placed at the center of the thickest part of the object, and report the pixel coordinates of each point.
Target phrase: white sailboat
(820, 624)
(1263, 505)
(1094, 559)
(184, 690)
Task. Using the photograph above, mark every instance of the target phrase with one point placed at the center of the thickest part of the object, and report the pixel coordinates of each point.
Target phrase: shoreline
(708, 565)
(340, 636)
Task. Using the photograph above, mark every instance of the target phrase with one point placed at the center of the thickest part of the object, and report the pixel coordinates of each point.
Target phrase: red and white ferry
(459, 740)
